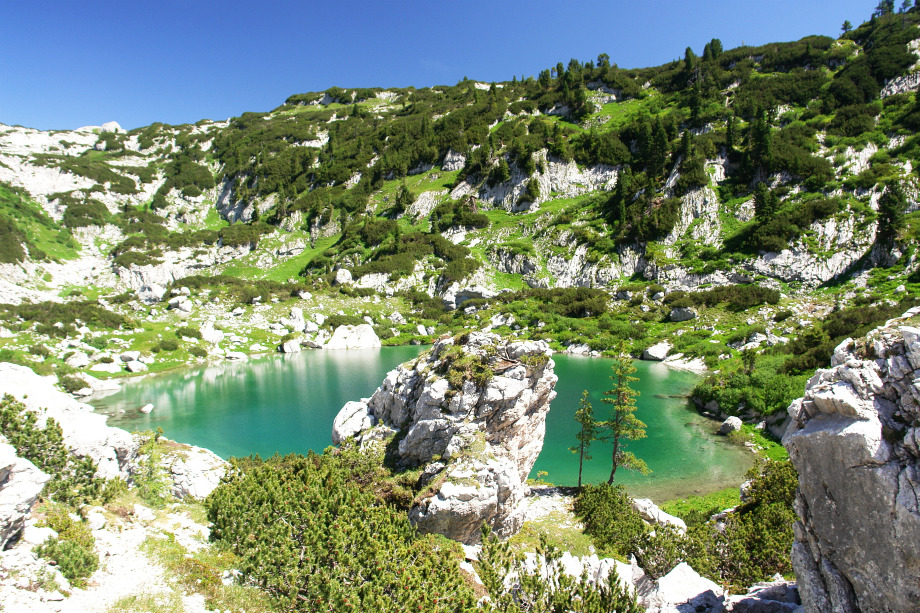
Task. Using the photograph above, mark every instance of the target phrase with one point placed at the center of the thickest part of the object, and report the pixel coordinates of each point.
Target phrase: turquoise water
(284, 404)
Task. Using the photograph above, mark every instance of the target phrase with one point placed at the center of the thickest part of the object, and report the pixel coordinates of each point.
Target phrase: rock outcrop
(20, 485)
(353, 337)
(855, 440)
(472, 412)
(193, 471)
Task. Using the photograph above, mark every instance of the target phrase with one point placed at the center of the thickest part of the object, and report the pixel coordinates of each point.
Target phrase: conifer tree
(587, 434)
(623, 425)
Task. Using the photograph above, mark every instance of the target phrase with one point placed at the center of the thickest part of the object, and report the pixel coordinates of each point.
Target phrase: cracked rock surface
(855, 440)
(477, 436)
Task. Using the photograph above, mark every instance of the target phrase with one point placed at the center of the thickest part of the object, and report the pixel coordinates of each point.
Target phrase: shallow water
(284, 404)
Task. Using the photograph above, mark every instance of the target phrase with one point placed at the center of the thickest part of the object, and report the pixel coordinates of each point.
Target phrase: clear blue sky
(69, 63)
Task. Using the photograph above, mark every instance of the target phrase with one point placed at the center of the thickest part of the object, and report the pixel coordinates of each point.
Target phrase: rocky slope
(472, 413)
(855, 440)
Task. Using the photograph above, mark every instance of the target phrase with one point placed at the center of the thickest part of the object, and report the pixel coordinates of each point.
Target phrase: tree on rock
(590, 429)
(623, 425)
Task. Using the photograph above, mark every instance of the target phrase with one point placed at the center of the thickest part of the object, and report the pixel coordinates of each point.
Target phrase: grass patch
(561, 530)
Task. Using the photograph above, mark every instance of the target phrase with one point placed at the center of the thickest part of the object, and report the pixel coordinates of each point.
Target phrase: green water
(287, 403)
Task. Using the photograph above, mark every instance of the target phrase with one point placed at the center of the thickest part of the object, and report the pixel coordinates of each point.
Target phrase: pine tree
(587, 434)
(765, 201)
(623, 425)
(847, 26)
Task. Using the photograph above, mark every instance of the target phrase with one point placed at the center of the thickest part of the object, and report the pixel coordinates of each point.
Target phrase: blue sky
(71, 63)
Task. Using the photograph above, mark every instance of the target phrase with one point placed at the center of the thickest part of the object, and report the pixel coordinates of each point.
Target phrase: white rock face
(351, 420)
(657, 352)
(353, 337)
(85, 432)
(478, 442)
(291, 346)
(195, 472)
(682, 589)
(855, 443)
(114, 451)
(650, 512)
(20, 485)
(342, 276)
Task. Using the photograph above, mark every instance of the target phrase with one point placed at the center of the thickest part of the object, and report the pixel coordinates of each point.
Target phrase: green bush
(151, 478)
(73, 480)
(312, 538)
(72, 551)
(198, 352)
(188, 332)
(607, 514)
(169, 344)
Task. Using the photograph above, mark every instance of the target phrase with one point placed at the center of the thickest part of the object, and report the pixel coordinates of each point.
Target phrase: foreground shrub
(73, 480)
(310, 536)
(72, 550)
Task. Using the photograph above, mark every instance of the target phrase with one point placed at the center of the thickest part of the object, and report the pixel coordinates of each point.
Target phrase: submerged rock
(477, 406)
(854, 441)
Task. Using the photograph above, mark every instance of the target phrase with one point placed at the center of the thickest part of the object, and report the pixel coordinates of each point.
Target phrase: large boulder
(731, 424)
(21, 484)
(472, 413)
(353, 337)
(682, 314)
(855, 441)
(194, 472)
(682, 590)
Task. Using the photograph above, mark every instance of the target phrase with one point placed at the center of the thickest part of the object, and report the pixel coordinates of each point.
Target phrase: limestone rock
(353, 337)
(351, 420)
(130, 356)
(210, 334)
(84, 431)
(147, 408)
(657, 352)
(770, 597)
(485, 435)
(682, 314)
(135, 366)
(342, 276)
(78, 360)
(143, 513)
(681, 590)
(650, 512)
(291, 346)
(857, 545)
(20, 485)
(732, 424)
(195, 472)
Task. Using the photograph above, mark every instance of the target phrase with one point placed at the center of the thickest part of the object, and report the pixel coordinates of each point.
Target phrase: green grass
(560, 529)
(200, 572)
(723, 499)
